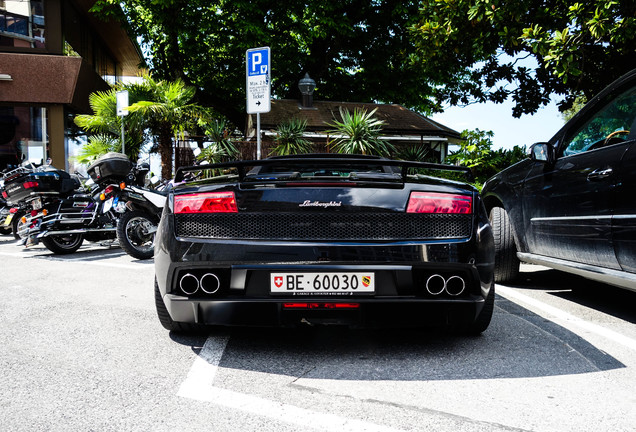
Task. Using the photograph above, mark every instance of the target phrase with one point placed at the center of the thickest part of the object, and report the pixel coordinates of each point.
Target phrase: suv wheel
(506, 261)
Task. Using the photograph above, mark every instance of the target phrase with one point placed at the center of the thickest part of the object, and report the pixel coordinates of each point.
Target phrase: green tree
(526, 50)
(223, 147)
(213, 153)
(476, 153)
(359, 133)
(356, 50)
(290, 137)
(168, 112)
(417, 153)
(106, 124)
(97, 146)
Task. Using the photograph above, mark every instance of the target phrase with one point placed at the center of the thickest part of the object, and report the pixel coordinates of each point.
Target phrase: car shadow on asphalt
(611, 300)
(518, 344)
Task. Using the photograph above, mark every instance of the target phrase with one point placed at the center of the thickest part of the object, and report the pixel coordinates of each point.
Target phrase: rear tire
(63, 244)
(16, 224)
(506, 261)
(132, 234)
(167, 322)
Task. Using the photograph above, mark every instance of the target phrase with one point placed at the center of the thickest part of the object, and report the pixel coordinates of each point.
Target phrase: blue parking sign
(258, 61)
(258, 82)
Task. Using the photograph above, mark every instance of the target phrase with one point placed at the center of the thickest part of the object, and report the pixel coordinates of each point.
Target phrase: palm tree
(97, 146)
(289, 137)
(168, 113)
(106, 124)
(222, 148)
(359, 133)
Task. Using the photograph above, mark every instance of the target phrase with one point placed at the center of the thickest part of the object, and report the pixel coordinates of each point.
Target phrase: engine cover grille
(323, 226)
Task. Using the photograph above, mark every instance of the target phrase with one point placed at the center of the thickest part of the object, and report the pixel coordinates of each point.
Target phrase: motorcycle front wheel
(136, 234)
(63, 244)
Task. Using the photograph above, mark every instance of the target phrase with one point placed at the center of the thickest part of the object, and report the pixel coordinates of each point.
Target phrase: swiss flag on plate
(278, 281)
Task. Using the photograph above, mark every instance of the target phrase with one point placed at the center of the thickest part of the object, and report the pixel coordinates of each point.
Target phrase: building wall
(55, 59)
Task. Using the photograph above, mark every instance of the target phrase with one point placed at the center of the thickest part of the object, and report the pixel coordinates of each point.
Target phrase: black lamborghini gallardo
(323, 239)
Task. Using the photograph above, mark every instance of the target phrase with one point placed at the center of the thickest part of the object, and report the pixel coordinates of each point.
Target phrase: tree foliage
(158, 109)
(106, 124)
(359, 133)
(290, 138)
(168, 112)
(526, 50)
(476, 153)
(356, 50)
(97, 145)
(223, 147)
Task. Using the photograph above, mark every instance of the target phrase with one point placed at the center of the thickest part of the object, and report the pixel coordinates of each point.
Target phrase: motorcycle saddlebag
(110, 168)
(38, 183)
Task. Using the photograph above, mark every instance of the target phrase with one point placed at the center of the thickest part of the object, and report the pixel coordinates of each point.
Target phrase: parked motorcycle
(60, 211)
(139, 211)
(17, 203)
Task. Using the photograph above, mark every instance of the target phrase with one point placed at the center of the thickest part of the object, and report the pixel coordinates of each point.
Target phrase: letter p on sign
(258, 62)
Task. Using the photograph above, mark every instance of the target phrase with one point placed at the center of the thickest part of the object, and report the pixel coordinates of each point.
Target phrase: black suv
(572, 205)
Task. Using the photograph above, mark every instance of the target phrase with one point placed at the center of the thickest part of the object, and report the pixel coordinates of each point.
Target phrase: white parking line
(199, 386)
(565, 317)
(204, 369)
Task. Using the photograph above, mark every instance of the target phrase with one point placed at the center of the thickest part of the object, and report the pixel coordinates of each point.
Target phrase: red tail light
(4, 194)
(29, 185)
(109, 189)
(296, 305)
(435, 202)
(208, 202)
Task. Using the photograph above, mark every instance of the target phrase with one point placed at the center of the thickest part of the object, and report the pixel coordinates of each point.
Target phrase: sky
(509, 131)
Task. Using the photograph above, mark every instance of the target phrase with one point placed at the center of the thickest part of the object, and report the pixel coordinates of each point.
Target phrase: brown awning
(48, 79)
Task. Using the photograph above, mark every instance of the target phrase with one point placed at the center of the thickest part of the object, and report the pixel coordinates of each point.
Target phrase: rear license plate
(322, 283)
(8, 220)
(36, 204)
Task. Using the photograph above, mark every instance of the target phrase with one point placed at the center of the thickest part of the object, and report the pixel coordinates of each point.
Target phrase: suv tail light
(436, 202)
(206, 202)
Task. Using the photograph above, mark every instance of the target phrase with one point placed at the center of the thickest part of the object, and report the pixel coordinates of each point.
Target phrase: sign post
(258, 86)
(122, 104)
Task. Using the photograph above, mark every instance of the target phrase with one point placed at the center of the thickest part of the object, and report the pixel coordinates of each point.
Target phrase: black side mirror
(542, 152)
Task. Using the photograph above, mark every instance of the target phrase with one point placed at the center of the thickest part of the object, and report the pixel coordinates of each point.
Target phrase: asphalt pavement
(82, 350)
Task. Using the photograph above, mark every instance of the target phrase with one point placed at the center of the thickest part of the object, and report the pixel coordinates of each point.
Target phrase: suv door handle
(600, 174)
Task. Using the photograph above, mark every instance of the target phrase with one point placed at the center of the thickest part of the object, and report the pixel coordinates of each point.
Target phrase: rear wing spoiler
(242, 165)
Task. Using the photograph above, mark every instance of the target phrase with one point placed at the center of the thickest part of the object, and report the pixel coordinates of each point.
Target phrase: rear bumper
(369, 313)
(401, 269)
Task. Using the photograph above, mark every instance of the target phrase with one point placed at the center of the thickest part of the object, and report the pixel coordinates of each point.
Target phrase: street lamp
(307, 87)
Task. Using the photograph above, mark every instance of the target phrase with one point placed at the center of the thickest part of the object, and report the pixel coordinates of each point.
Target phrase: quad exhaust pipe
(438, 284)
(209, 283)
